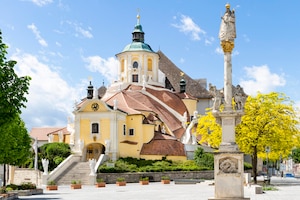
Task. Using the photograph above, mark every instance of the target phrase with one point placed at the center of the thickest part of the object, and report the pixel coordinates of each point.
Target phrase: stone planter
(51, 187)
(144, 182)
(121, 183)
(75, 186)
(101, 184)
(165, 181)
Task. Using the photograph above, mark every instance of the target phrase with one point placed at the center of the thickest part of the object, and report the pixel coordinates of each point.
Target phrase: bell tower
(138, 63)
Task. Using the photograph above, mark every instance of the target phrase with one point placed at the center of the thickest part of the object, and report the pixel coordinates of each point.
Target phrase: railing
(101, 160)
(63, 166)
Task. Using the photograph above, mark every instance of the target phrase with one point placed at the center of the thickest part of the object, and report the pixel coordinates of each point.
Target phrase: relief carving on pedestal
(228, 165)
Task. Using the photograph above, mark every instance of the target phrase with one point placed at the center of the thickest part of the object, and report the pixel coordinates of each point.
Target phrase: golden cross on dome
(138, 16)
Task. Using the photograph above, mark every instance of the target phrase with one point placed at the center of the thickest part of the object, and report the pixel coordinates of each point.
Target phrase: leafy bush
(296, 155)
(204, 159)
(120, 179)
(51, 182)
(140, 165)
(27, 186)
(247, 165)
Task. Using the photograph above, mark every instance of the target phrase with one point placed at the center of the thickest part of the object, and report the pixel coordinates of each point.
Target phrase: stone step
(77, 171)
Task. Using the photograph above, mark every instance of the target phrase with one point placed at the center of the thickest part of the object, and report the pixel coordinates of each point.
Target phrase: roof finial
(138, 16)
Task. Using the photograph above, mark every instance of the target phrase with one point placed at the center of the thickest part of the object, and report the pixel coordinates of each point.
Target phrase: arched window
(149, 64)
(122, 65)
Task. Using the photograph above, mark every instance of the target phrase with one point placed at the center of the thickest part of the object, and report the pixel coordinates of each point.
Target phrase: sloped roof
(163, 145)
(41, 133)
(173, 73)
(134, 100)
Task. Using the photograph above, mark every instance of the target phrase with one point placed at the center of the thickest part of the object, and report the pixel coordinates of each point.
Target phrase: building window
(135, 78)
(149, 64)
(122, 65)
(95, 128)
(135, 65)
(131, 131)
(124, 129)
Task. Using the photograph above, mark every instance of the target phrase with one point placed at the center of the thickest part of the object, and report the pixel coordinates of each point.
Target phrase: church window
(131, 131)
(95, 128)
(149, 64)
(124, 129)
(135, 64)
(122, 65)
(135, 78)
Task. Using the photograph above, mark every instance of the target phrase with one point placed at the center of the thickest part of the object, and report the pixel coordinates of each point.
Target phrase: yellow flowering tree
(209, 130)
(270, 121)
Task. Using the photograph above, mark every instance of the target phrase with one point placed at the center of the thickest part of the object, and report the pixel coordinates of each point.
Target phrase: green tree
(15, 142)
(55, 152)
(296, 155)
(270, 120)
(12, 88)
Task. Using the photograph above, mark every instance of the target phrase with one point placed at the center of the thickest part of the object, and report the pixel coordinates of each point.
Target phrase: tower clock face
(135, 64)
(95, 106)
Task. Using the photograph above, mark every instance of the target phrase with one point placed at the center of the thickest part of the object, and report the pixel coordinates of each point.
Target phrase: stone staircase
(76, 171)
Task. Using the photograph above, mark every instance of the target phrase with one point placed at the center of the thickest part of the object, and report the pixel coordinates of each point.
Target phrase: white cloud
(37, 35)
(79, 31)
(41, 2)
(188, 26)
(82, 32)
(246, 38)
(50, 98)
(260, 78)
(106, 67)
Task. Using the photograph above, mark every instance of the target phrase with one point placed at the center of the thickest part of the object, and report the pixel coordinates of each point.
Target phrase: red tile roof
(42, 133)
(163, 145)
(134, 100)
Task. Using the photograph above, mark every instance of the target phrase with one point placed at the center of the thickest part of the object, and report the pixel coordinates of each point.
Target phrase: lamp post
(268, 177)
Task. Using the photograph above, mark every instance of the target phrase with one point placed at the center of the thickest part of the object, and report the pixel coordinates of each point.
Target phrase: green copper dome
(138, 46)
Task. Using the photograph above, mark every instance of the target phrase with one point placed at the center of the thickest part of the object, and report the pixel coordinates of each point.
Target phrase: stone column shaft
(227, 80)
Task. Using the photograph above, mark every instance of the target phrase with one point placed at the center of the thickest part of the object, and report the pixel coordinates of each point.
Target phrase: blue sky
(61, 43)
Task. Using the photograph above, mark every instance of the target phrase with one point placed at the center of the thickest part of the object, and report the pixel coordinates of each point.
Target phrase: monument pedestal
(229, 176)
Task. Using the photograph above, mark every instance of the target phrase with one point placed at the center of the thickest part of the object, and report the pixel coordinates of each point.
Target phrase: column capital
(227, 46)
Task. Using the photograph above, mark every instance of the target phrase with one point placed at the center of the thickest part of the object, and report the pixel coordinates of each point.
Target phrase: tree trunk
(4, 174)
(254, 165)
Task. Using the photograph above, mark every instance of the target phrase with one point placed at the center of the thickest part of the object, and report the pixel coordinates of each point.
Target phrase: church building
(150, 112)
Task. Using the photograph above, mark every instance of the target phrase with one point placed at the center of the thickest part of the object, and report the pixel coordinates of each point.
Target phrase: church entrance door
(94, 150)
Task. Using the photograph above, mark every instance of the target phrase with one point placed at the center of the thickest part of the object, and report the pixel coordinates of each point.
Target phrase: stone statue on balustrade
(239, 97)
(92, 164)
(218, 97)
(45, 163)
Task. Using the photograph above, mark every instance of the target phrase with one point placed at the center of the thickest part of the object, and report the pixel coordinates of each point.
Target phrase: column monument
(229, 161)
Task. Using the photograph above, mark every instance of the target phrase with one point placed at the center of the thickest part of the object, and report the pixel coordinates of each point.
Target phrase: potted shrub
(100, 182)
(75, 184)
(165, 180)
(51, 185)
(120, 181)
(144, 180)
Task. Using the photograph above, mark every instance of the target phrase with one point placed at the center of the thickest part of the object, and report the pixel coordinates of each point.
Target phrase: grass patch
(269, 188)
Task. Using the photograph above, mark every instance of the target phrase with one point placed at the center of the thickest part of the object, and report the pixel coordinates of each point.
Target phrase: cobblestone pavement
(158, 191)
